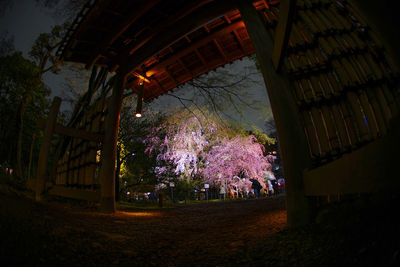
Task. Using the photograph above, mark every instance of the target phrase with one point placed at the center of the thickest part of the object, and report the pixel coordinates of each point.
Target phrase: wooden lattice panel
(79, 165)
(345, 85)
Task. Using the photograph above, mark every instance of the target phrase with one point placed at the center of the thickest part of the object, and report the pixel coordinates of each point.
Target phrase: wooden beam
(266, 4)
(186, 25)
(282, 33)
(45, 147)
(68, 131)
(108, 40)
(227, 19)
(193, 47)
(141, 76)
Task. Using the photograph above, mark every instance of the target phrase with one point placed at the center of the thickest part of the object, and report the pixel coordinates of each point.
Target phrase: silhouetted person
(256, 187)
(275, 187)
(160, 200)
(222, 192)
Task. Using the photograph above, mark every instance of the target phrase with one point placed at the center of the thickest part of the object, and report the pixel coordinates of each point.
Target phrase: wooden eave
(169, 42)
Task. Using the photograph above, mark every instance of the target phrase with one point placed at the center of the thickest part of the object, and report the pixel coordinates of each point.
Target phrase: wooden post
(292, 139)
(45, 147)
(107, 173)
(286, 14)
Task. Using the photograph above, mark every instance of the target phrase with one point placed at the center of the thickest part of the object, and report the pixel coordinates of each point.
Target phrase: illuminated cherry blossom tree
(197, 146)
(180, 143)
(235, 161)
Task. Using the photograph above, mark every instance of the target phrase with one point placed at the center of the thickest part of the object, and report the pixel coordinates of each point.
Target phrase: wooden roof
(169, 42)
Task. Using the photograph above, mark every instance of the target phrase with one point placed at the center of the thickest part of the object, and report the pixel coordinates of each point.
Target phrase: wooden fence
(78, 166)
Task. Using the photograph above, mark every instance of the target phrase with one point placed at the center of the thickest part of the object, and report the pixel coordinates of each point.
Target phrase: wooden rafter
(183, 27)
(237, 37)
(108, 40)
(171, 77)
(97, 9)
(157, 29)
(184, 65)
(221, 51)
(160, 87)
(193, 47)
(200, 57)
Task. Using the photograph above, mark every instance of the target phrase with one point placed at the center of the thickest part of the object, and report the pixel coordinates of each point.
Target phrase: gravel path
(232, 233)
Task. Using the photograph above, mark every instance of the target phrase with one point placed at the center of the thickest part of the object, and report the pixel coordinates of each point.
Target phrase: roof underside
(169, 42)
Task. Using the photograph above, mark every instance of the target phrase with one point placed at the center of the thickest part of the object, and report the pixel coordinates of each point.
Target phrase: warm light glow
(138, 115)
(141, 77)
(140, 214)
(150, 73)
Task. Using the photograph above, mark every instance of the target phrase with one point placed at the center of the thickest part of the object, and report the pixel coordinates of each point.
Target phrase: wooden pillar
(292, 139)
(45, 147)
(107, 174)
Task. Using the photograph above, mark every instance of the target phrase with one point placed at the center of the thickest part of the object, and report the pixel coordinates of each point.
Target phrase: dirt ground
(230, 233)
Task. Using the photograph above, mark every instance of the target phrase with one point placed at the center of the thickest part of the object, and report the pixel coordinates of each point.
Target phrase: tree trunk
(117, 171)
(20, 128)
(30, 157)
(20, 116)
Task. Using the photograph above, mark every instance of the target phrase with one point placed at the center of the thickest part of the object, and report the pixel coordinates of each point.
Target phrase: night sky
(25, 21)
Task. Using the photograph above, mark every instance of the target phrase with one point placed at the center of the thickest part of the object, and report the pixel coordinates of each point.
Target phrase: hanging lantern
(138, 113)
